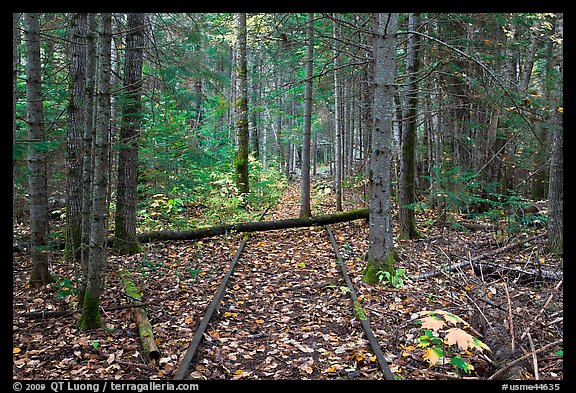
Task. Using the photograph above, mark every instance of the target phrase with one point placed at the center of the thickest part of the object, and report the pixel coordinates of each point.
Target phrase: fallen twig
(520, 359)
(477, 259)
(43, 314)
(542, 309)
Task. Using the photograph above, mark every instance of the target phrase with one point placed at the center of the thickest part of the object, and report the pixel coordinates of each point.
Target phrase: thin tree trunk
(76, 124)
(90, 317)
(407, 192)
(88, 157)
(15, 61)
(38, 182)
(305, 163)
(381, 253)
(337, 120)
(126, 240)
(556, 191)
(241, 162)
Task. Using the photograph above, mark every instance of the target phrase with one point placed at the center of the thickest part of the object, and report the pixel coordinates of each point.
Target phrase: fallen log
(255, 226)
(43, 314)
(144, 326)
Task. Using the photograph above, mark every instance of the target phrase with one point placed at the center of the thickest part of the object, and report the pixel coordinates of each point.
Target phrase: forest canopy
(132, 126)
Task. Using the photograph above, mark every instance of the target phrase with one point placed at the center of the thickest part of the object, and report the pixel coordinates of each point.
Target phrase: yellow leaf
(432, 356)
(16, 350)
(239, 372)
(359, 357)
(331, 369)
(259, 321)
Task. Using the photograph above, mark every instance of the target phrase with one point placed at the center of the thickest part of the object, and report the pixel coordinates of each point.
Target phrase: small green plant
(444, 340)
(396, 279)
(193, 272)
(65, 288)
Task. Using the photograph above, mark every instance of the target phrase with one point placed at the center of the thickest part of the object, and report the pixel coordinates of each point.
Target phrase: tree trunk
(556, 191)
(305, 163)
(337, 119)
(125, 238)
(241, 162)
(90, 317)
(76, 124)
(254, 226)
(407, 192)
(88, 157)
(38, 181)
(381, 253)
(15, 61)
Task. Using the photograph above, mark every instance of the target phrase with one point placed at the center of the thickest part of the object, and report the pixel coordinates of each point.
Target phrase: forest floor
(286, 313)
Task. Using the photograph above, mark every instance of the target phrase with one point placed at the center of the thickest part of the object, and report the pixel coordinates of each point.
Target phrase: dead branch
(476, 260)
(43, 314)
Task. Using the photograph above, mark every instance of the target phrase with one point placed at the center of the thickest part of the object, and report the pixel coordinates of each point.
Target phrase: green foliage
(65, 287)
(359, 311)
(396, 279)
(444, 339)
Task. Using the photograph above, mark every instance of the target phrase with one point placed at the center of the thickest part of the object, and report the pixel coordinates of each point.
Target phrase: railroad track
(288, 310)
(284, 312)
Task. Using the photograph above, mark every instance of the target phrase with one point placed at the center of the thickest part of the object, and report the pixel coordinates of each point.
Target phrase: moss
(373, 267)
(90, 318)
(129, 287)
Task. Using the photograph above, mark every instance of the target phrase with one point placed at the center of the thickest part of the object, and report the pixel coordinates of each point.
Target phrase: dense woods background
(129, 123)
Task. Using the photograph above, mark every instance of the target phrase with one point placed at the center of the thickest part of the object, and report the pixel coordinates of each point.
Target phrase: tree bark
(76, 124)
(407, 192)
(254, 226)
(125, 238)
(381, 247)
(90, 317)
(140, 317)
(241, 163)
(88, 157)
(556, 191)
(38, 182)
(305, 163)
(337, 119)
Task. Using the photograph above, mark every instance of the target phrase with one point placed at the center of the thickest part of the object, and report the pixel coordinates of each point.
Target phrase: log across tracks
(282, 311)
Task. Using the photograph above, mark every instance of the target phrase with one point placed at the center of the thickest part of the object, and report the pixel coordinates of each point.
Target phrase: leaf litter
(285, 314)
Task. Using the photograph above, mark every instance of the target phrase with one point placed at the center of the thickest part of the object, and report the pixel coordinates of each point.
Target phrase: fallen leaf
(432, 322)
(433, 355)
(460, 337)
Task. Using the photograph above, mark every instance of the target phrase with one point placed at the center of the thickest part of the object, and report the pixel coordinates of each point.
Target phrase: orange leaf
(432, 322)
(460, 337)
